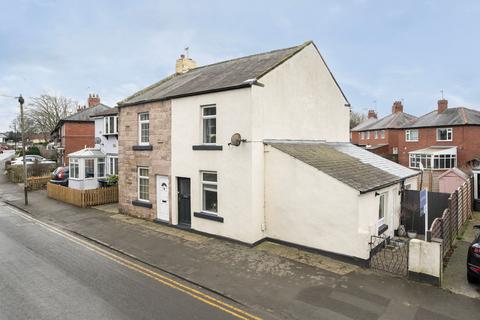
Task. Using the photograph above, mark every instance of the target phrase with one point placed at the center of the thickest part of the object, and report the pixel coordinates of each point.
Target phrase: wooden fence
(83, 198)
(37, 183)
(454, 217)
(15, 173)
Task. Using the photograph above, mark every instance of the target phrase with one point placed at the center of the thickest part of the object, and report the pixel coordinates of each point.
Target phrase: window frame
(362, 135)
(408, 135)
(107, 127)
(383, 209)
(449, 131)
(375, 134)
(97, 173)
(208, 117)
(202, 190)
(139, 177)
(72, 163)
(382, 134)
(140, 123)
(85, 168)
(113, 172)
(368, 135)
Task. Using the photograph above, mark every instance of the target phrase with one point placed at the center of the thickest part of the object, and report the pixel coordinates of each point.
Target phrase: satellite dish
(98, 140)
(236, 140)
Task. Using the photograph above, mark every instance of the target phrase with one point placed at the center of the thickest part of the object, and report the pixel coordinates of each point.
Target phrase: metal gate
(389, 255)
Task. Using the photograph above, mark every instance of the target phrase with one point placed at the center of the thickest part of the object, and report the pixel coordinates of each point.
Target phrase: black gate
(389, 255)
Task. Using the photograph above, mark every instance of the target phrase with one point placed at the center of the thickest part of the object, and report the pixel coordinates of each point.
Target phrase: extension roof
(108, 112)
(393, 121)
(356, 167)
(226, 75)
(450, 117)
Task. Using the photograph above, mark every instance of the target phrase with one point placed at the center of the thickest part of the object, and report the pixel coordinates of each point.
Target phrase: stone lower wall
(157, 160)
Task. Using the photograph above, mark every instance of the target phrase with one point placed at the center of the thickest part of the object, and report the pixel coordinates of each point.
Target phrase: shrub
(112, 180)
(33, 151)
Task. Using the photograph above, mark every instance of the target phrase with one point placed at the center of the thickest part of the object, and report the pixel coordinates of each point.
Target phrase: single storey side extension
(331, 196)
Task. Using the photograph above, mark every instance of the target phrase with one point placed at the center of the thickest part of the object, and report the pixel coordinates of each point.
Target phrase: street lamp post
(22, 120)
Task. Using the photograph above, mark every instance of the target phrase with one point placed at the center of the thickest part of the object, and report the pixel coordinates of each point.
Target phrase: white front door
(162, 198)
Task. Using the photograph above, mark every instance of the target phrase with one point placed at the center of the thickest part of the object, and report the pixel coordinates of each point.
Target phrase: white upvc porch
(86, 167)
(434, 158)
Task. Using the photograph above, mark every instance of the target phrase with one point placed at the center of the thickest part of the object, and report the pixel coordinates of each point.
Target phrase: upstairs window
(382, 134)
(411, 135)
(444, 134)
(111, 125)
(375, 134)
(362, 135)
(143, 128)
(209, 123)
(368, 135)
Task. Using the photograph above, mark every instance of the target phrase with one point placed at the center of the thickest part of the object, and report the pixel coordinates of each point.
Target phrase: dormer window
(110, 125)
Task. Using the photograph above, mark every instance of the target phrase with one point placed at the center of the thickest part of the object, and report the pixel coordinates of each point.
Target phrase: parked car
(60, 176)
(31, 159)
(473, 258)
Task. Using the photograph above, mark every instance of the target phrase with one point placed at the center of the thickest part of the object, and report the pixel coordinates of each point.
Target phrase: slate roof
(450, 117)
(82, 116)
(343, 161)
(108, 112)
(393, 121)
(226, 75)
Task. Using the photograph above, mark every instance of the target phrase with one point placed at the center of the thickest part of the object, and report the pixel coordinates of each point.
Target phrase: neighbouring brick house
(441, 139)
(381, 136)
(76, 131)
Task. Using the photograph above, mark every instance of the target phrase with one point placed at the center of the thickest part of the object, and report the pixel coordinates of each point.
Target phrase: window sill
(142, 148)
(207, 147)
(382, 229)
(140, 203)
(208, 216)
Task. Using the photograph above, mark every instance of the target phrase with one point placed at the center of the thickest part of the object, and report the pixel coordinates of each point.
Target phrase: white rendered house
(91, 167)
(257, 189)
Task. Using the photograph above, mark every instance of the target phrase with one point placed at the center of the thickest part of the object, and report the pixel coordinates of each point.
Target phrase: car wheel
(471, 278)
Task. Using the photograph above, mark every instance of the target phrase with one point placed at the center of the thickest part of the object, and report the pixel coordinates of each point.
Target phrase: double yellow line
(196, 294)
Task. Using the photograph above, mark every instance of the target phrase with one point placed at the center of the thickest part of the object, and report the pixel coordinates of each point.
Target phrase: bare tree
(356, 118)
(45, 111)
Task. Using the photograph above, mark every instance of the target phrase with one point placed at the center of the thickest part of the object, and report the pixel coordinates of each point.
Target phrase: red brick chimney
(397, 107)
(442, 105)
(93, 100)
(372, 114)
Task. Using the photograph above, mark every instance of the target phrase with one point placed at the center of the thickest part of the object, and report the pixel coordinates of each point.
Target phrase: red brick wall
(465, 138)
(77, 136)
(391, 138)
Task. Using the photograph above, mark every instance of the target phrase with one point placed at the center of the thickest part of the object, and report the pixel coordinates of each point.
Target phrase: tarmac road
(46, 273)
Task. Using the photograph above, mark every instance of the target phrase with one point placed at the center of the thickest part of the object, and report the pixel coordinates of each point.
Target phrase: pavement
(455, 274)
(274, 281)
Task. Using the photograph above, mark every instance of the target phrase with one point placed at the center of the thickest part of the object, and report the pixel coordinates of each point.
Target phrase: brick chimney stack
(397, 107)
(372, 114)
(442, 105)
(184, 64)
(93, 100)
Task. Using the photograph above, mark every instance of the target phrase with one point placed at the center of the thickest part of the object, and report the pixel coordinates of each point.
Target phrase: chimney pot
(372, 114)
(397, 107)
(442, 105)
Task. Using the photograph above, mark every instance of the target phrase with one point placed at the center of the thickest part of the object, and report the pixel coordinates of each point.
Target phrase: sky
(379, 51)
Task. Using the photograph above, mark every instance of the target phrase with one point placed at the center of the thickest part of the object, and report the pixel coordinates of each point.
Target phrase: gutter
(389, 184)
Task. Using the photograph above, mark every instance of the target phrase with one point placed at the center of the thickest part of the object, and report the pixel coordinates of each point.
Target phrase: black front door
(184, 212)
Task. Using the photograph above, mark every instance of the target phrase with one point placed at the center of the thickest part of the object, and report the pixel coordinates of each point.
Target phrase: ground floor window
(382, 208)
(101, 167)
(209, 191)
(113, 166)
(89, 168)
(429, 161)
(74, 168)
(143, 184)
